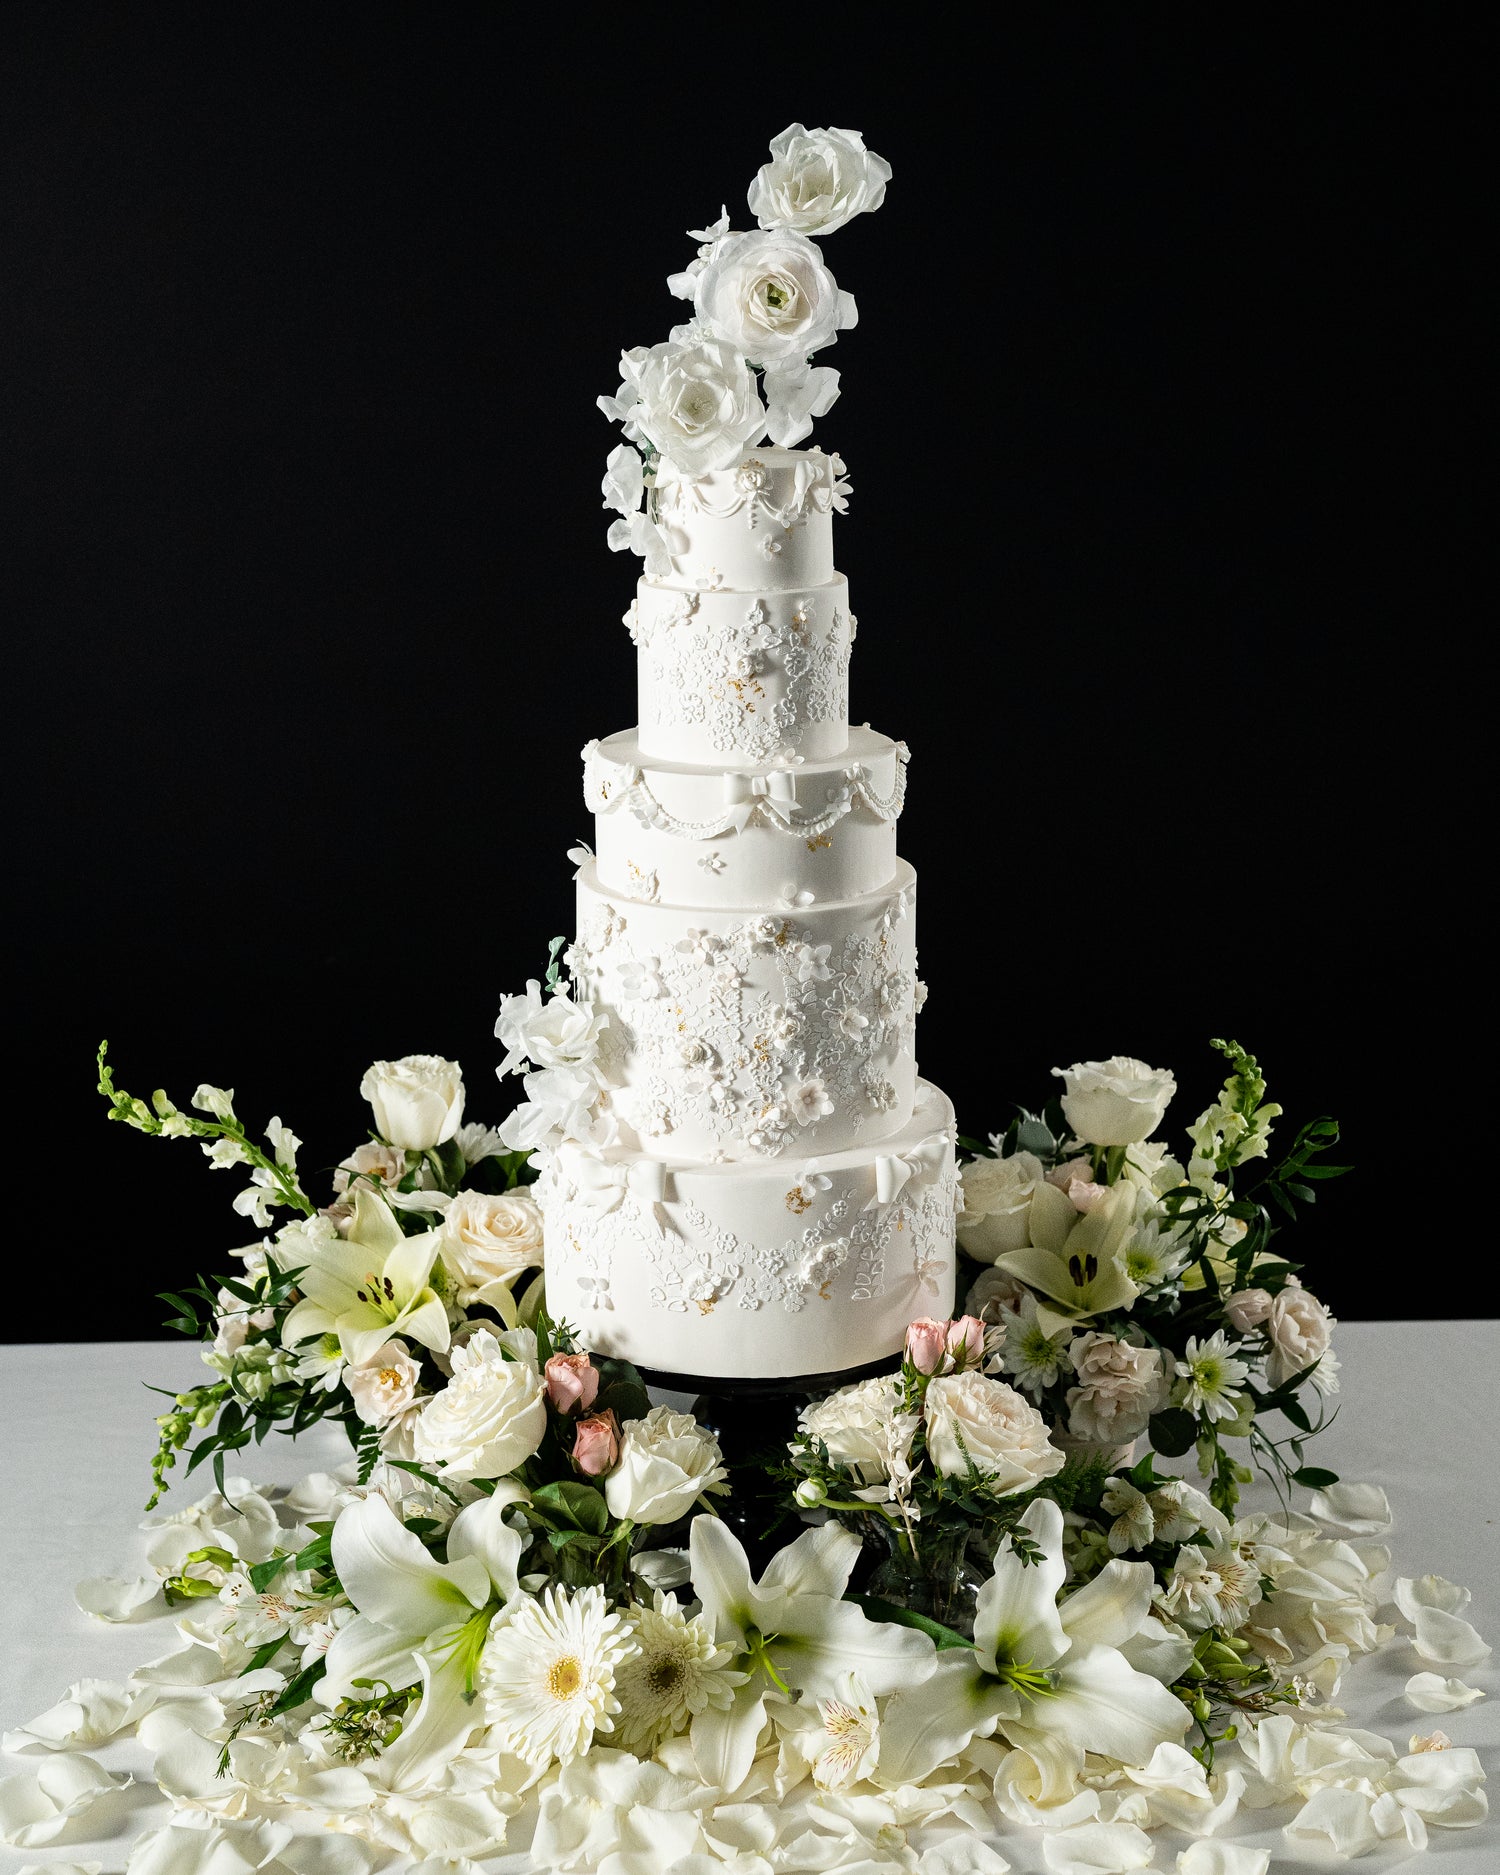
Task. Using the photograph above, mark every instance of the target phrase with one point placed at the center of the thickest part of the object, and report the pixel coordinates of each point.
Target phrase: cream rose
(696, 402)
(1119, 1387)
(997, 1196)
(491, 1415)
(1299, 1330)
(991, 1291)
(372, 1160)
(864, 1429)
(418, 1101)
(489, 1239)
(970, 1416)
(817, 180)
(384, 1386)
(667, 1462)
(769, 296)
(1118, 1102)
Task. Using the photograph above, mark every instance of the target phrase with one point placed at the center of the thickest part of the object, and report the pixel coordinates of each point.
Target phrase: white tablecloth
(1420, 1409)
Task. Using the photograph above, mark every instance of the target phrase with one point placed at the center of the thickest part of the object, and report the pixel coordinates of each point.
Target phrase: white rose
(418, 1101)
(863, 1429)
(817, 180)
(696, 402)
(489, 1238)
(489, 1418)
(667, 1462)
(387, 1163)
(769, 296)
(997, 1196)
(970, 1416)
(991, 1291)
(384, 1386)
(1120, 1387)
(1118, 1102)
(554, 1033)
(1299, 1329)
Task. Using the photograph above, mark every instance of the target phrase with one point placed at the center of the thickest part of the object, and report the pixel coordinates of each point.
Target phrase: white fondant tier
(711, 836)
(766, 524)
(741, 1035)
(743, 677)
(755, 1271)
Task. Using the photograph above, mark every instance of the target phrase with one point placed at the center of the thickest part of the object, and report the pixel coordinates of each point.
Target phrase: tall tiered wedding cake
(752, 1180)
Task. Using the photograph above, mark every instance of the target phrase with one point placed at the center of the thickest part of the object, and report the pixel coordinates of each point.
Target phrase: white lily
(1076, 1262)
(1039, 1672)
(420, 1620)
(791, 1631)
(367, 1287)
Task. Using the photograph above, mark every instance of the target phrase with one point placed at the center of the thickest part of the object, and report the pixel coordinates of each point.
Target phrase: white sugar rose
(970, 1416)
(1119, 1387)
(864, 1430)
(1118, 1102)
(997, 1196)
(551, 1032)
(817, 180)
(488, 1419)
(696, 402)
(418, 1101)
(769, 297)
(667, 1462)
(1299, 1330)
(489, 1238)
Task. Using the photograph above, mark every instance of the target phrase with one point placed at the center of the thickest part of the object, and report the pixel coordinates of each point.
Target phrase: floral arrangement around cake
(519, 1620)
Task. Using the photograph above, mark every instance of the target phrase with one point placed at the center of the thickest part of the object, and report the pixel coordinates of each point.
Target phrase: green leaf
(318, 1554)
(427, 1477)
(263, 1655)
(1173, 1432)
(297, 1692)
(263, 1574)
(575, 1506)
(1295, 1414)
(1314, 1477)
(897, 1616)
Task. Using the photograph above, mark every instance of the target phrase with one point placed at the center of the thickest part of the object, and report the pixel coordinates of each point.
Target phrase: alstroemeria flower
(369, 1286)
(1076, 1261)
(791, 1630)
(1043, 1674)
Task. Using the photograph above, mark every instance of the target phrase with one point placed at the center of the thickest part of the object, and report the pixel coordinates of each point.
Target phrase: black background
(1156, 420)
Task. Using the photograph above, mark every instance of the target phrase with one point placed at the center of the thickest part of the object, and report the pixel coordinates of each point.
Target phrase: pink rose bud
(966, 1341)
(1075, 1169)
(1084, 1195)
(572, 1381)
(1247, 1309)
(596, 1444)
(927, 1344)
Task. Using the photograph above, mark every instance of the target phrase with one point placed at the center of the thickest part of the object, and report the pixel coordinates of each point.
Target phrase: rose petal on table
(962, 1855)
(89, 1713)
(60, 1868)
(1442, 1786)
(36, 1807)
(113, 1598)
(1413, 1592)
(1361, 1509)
(182, 1849)
(1430, 1692)
(1448, 1640)
(1353, 1822)
(1097, 1849)
(1223, 1858)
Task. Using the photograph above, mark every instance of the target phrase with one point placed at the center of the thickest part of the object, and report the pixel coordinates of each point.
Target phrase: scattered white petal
(89, 1713)
(60, 1868)
(1097, 1849)
(1430, 1692)
(1361, 1509)
(1442, 1787)
(1223, 1858)
(963, 1855)
(1448, 1640)
(1412, 1593)
(36, 1808)
(1340, 1818)
(182, 1849)
(112, 1598)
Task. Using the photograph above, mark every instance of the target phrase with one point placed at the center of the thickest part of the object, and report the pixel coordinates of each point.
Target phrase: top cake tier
(764, 526)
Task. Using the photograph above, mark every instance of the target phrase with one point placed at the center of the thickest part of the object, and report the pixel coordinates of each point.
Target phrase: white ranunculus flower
(667, 1462)
(817, 180)
(796, 392)
(489, 1418)
(970, 1416)
(489, 1238)
(997, 1196)
(550, 1033)
(1118, 1102)
(865, 1430)
(769, 296)
(1119, 1387)
(695, 402)
(418, 1101)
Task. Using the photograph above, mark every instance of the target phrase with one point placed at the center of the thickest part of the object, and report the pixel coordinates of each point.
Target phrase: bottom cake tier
(755, 1271)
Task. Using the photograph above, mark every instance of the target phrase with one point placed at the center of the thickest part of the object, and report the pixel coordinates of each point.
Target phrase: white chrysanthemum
(1031, 1356)
(677, 1672)
(1154, 1257)
(1212, 1374)
(548, 1674)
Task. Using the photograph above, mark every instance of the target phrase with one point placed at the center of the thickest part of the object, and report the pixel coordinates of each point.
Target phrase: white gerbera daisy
(676, 1672)
(1030, 1355)
(548, 1674)
(1212, 1374)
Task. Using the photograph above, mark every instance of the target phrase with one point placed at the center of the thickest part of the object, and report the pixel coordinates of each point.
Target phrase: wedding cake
(743, 1175)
